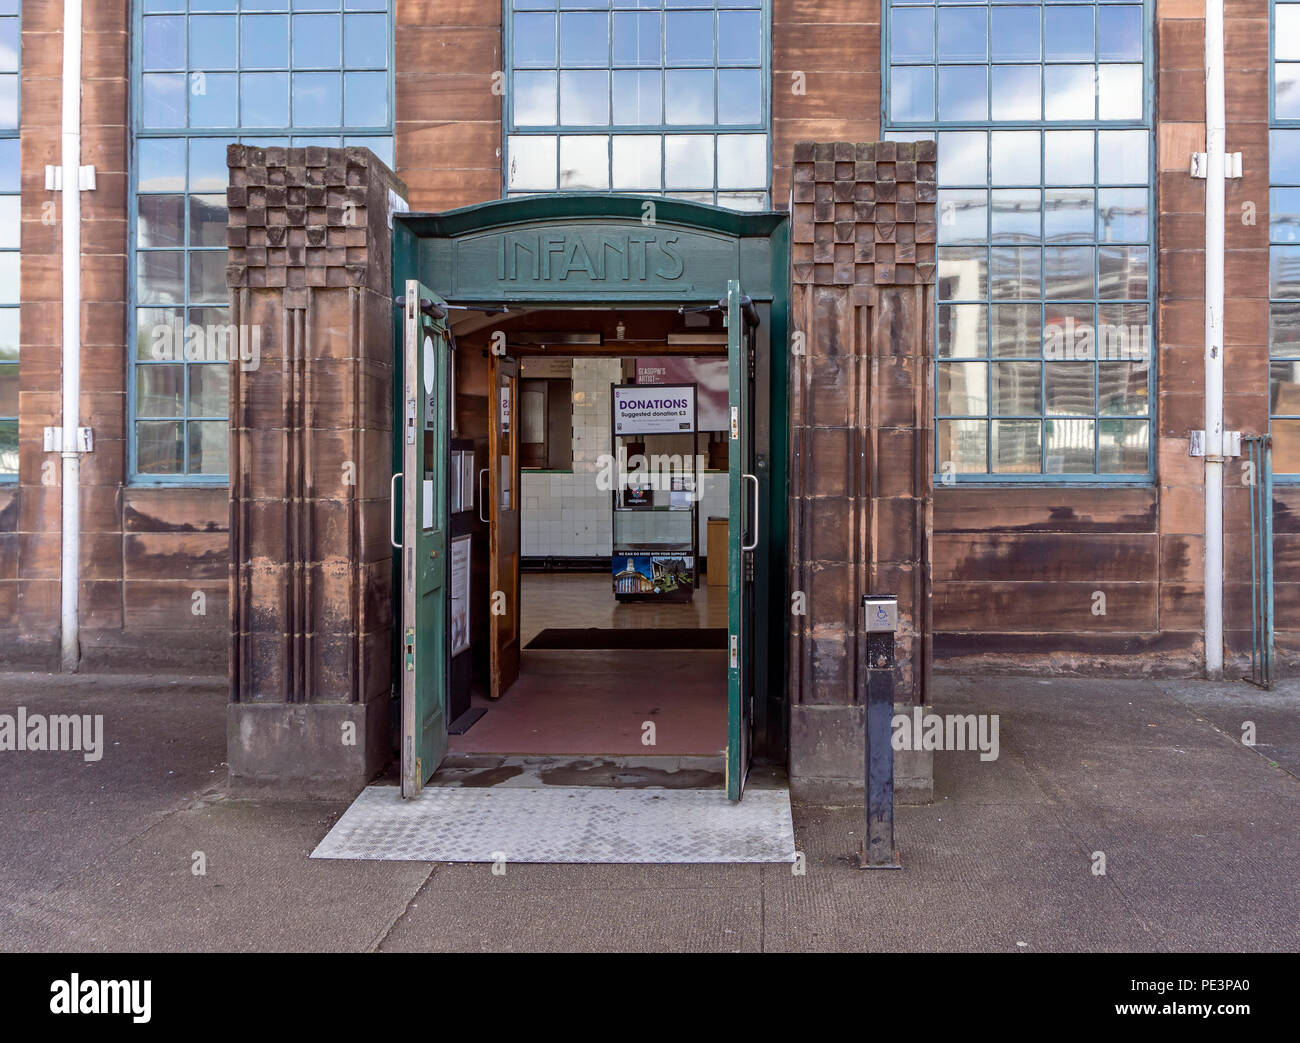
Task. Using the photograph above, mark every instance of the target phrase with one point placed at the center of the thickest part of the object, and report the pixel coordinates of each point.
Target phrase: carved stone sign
(585, 260)
(614, 257)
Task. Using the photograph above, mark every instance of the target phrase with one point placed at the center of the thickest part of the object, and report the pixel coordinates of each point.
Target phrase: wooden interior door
(504, 542)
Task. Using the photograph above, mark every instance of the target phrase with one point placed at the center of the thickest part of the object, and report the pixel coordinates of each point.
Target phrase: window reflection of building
(208, 74)
(1043, 313)
(1284, 239)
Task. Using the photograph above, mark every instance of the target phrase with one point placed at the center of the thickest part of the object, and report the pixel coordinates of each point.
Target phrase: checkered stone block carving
(298, 216)
(309, 262)
(864, 213)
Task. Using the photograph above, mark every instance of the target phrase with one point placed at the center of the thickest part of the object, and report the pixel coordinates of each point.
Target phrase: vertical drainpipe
(70, 160)
(1215, 133)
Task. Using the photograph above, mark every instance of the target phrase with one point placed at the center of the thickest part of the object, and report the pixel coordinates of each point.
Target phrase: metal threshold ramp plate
(564, 824)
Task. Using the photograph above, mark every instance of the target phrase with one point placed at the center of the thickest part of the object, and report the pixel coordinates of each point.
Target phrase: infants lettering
(626, 257)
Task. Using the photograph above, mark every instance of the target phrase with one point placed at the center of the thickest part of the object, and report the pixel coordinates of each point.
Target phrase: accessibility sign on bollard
(880, 622)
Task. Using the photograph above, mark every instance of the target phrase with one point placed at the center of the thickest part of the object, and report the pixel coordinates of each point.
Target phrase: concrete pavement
(1198, 832)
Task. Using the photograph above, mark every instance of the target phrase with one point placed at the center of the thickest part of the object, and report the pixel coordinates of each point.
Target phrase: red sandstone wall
(145, 552)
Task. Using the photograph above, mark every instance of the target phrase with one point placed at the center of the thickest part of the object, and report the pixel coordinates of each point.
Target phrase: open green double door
(424, 664)
(426, 401)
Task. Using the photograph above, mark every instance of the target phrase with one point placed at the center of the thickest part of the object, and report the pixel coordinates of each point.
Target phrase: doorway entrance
(619, 605)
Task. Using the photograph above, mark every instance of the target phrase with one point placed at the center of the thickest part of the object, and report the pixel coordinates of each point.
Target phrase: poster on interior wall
(666, 410)
(709, 377)
(460, 568)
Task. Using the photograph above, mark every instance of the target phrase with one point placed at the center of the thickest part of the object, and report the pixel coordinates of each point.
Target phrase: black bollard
(880, 623)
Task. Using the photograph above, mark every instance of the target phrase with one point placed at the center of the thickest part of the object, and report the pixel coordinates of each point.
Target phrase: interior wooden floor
(589, 703)
(566, 599)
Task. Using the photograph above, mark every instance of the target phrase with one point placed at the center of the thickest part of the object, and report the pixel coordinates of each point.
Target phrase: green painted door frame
(743, 533)
(576, 251)
(424, 432)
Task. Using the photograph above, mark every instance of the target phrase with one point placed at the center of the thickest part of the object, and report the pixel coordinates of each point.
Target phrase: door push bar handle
(481, 503)
(392, 508)
(747, 309)
(754, 479)
(427, 306)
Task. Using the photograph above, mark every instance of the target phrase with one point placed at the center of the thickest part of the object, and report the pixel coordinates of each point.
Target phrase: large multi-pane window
(10, 229)
(1284, 240)
(1286, 61)
(1041, 112)
(659, 97)
(210, 72)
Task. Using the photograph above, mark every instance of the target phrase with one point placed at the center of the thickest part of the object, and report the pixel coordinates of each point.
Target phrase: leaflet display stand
(656, 492)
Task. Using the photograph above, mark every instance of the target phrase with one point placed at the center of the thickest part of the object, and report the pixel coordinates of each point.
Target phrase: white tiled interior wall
(565, 515)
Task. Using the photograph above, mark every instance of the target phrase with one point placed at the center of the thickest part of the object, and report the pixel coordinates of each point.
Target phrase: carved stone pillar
(861, 406)
(309, 271)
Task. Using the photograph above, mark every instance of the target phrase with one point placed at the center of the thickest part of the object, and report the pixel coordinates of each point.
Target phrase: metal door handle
(754, 479)
(392, 508)
(481, 498)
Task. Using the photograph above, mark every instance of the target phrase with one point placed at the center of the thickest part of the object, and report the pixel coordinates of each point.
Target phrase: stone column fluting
(310, 277)
(861, 431)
